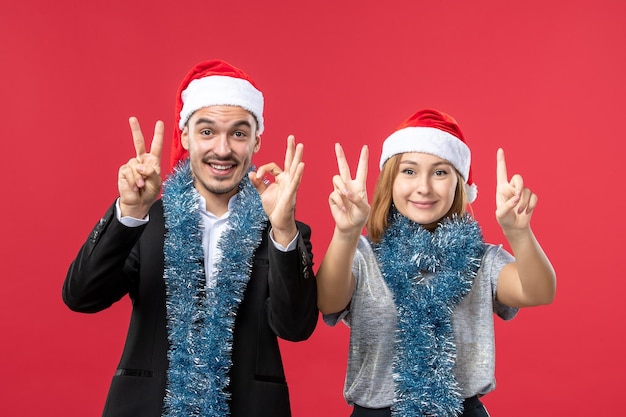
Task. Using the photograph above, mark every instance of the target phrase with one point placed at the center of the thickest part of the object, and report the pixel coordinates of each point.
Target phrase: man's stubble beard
(220, 191)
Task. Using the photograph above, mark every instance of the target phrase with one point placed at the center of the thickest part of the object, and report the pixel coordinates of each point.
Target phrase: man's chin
(220, 187)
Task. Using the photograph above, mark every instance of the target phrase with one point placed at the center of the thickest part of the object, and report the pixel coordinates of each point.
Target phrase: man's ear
(184, 138)
(257, 145)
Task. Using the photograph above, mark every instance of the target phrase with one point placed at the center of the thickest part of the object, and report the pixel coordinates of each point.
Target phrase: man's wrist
(136, 212)
(129, 220)
(284, 236)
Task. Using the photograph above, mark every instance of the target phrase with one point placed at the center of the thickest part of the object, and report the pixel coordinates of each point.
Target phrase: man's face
(221, 141)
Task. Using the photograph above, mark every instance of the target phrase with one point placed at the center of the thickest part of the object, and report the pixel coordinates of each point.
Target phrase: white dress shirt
(214, 227)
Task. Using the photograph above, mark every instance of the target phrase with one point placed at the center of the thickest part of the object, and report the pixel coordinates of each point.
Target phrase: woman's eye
(408, 171)
(440, 172)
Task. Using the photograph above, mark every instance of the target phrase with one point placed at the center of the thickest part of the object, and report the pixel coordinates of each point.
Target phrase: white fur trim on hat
(435, 142)
(219, 90)
(471, 192)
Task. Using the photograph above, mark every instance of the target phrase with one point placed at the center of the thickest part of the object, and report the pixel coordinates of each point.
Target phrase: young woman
(419, 292)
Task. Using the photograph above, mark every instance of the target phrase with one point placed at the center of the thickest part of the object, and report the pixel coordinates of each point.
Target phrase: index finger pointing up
(501, 172)
(140, 145)
(342, 164)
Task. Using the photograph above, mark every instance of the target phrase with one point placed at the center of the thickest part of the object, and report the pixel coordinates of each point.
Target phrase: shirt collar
(202, 206)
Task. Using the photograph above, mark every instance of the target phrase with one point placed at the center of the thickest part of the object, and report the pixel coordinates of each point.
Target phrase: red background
(544, 80)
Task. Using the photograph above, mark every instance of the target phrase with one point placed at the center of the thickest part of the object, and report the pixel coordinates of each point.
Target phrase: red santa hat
(213, 83)
(436, 133)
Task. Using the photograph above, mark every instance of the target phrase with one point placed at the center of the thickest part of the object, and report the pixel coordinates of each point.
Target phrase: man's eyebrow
(205, 120)
(239, 123)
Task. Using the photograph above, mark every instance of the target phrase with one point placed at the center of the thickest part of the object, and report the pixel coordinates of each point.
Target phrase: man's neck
(217, 204)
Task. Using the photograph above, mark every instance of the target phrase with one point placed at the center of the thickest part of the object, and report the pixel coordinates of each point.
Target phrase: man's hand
(279, 196)
(139, 180)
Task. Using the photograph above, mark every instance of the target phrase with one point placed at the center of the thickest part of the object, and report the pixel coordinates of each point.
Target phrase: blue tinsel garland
(201, 320)
(428, 273)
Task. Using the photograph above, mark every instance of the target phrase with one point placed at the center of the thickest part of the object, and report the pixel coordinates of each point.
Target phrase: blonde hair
(382, 200)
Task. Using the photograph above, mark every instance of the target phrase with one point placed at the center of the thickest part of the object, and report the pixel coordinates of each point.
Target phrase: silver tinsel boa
(428, 274)
(200, 319)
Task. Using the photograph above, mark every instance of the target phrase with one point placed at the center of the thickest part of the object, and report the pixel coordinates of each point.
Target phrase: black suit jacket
(280, 300)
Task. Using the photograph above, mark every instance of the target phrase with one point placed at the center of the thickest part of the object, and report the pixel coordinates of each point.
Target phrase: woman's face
(424, 188)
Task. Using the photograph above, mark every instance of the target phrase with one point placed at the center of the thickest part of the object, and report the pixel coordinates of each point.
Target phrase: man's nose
(221, 145)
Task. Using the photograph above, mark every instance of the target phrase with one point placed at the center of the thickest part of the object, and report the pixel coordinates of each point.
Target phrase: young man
(216, 269)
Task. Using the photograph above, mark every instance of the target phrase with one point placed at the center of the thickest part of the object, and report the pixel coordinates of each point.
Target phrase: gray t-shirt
(372, 319)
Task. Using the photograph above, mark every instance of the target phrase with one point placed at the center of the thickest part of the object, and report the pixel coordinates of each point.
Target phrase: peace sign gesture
(348, 201)
(139, 180)
(514, 202)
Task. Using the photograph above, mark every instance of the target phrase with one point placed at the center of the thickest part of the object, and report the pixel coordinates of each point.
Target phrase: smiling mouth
(423, 204)
(219, 167)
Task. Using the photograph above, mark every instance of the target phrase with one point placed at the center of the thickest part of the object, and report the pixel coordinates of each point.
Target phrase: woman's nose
(422, 184)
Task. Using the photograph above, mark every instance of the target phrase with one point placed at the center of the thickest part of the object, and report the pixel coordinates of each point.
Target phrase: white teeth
(221, 167)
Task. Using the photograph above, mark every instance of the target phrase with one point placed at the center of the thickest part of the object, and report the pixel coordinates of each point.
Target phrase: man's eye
(206, 132)
(240, 134)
